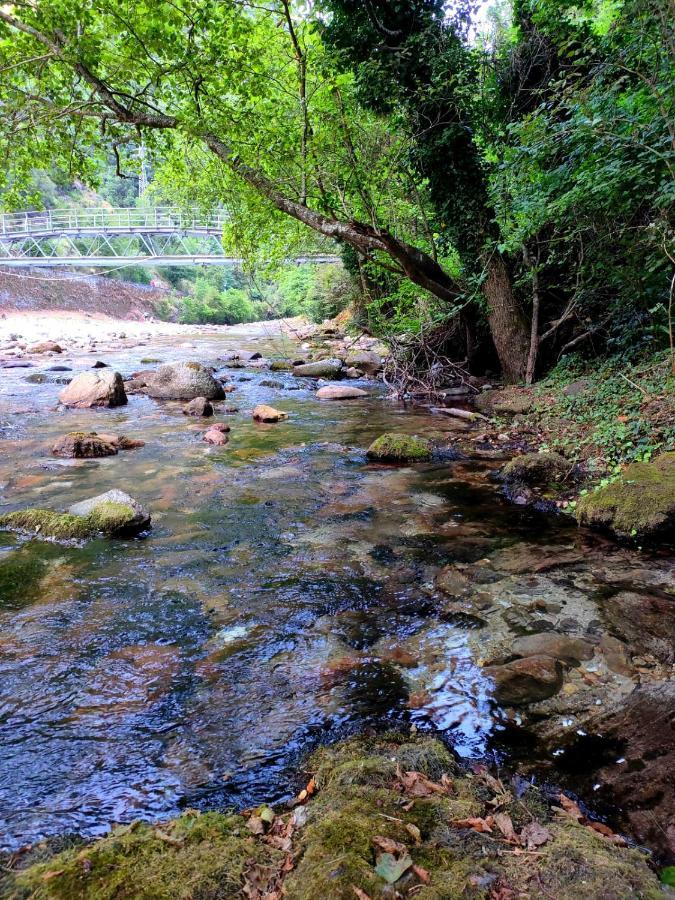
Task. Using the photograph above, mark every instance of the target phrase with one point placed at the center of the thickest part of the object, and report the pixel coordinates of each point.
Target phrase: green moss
(48, 524)
(536, 468)
(580, 863)
(110, 517)
(20, 574)
(360, 798)
(194, 856)
(149, 360)
(106, 518)
(641, 503)
(392, 447)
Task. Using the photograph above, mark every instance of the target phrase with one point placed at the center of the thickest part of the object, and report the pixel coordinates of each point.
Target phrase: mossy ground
(367, 790)
(107, 518)
(392, 447)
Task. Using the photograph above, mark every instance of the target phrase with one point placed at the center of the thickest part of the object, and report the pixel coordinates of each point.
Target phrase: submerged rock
(393, 447)
(536, 468)
(640, 504)
(337, 392)
(264, 413)
(183, 381)
(200, 406)
(526, 680)
(84, 445)
(91, 389)
(322, 368)
(558, 646)
(112, 513)
(386, 816)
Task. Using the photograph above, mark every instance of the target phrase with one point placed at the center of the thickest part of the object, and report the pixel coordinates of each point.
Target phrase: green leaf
(390, 868)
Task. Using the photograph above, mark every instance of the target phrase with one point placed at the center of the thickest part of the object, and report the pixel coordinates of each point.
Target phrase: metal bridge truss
(106, 237)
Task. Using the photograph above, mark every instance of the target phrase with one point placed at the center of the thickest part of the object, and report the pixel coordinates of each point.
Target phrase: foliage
(609, 414)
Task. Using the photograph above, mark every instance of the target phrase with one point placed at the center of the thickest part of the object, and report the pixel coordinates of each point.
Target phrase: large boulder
(367, 361)
(338, 392)
(115, 511)
(402, 448)
(322, 368)
(536, 468)
(84, 445)
(183, 381)
(640, 504)
(89, 389)
(526, 680)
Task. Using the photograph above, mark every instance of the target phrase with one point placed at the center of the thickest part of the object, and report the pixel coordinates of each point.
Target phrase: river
(284, 596)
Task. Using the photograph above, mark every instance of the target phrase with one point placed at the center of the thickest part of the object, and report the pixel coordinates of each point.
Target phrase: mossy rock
(401, 448)
(536, 468)
(194, 856)
(504, 403)
(362, 798)
(112, 513)
(640, 504)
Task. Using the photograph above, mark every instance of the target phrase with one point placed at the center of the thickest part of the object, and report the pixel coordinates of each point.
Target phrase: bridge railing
(161, 218)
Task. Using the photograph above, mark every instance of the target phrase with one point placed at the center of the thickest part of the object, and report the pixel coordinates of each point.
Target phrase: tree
(254, 86)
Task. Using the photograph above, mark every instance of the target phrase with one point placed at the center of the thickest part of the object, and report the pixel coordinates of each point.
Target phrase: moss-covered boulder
(389, 816)
(536, 468)
(640, 504)
(400, 448)
(508, 402)
(394, 816)
(112, 513)
(194, 856)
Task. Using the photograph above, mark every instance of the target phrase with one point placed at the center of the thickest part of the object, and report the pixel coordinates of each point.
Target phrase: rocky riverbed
(292, 588)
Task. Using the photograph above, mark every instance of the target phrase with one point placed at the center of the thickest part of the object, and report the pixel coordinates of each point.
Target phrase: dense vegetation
(512, 194)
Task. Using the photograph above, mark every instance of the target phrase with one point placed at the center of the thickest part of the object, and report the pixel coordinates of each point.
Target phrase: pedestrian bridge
(110, 237)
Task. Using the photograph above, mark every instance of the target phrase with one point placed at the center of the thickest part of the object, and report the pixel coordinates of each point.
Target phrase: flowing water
(284, 596)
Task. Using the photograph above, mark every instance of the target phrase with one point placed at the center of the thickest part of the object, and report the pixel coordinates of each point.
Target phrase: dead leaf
(570, 808)
(311, 787)
(417, 785)
(54, 873)
(534, 835)
(607, 832)
(505, 825)
(256, 825)
(422, 874)
(387, 845)
(360, 894)
(414, 833)
(174, 842)
(477, 824)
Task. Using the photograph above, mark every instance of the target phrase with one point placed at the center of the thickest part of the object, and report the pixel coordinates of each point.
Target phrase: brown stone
(264, 413)
(82, 445)
(526, 680)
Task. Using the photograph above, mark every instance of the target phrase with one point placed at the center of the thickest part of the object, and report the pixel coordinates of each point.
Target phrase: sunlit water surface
(283, 597)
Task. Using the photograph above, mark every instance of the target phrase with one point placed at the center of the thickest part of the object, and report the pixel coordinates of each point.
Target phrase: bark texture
(508, 326)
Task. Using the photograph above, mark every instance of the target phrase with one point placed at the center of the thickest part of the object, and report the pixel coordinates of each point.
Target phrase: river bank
(292, 591)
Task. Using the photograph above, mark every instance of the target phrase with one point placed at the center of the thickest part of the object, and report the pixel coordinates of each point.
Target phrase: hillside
(48, 290)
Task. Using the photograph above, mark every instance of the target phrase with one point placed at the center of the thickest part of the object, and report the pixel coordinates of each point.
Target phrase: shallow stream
(284, 596)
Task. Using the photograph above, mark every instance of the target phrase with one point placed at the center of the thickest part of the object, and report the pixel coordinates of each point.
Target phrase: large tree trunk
(507, 323)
